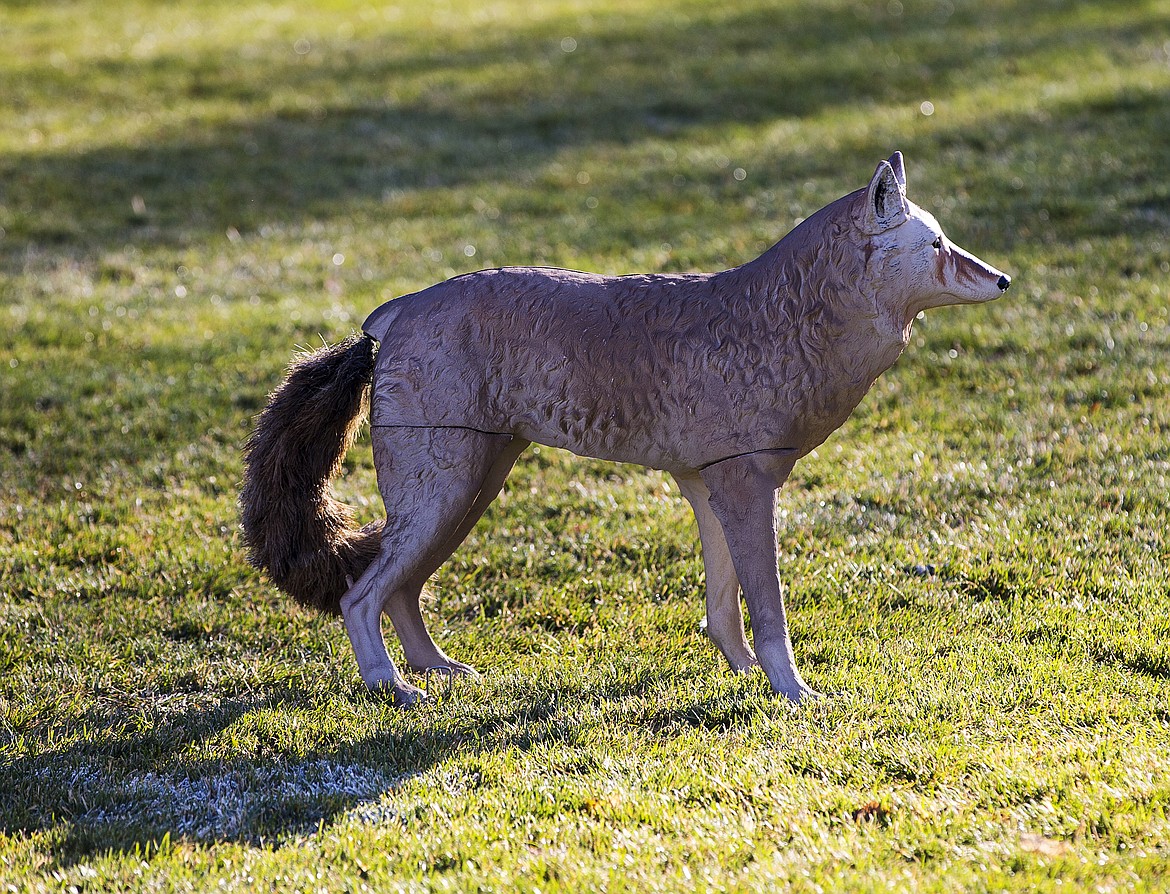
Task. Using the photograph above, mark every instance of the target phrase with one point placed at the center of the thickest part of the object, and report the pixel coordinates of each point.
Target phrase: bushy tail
(293, 527)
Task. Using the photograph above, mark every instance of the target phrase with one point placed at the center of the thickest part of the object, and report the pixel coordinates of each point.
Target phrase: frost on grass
(236, 804)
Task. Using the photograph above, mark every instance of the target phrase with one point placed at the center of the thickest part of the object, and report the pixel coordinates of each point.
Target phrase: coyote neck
(827, 343)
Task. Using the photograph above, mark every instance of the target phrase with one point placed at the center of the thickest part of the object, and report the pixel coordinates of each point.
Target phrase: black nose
(1004, 282)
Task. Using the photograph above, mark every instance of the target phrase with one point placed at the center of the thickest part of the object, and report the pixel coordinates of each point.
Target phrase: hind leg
(361, 609)
(429, 479)
(403, 605)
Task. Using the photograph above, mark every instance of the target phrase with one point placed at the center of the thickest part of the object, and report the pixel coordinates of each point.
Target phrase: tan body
(724, 380)
(654, 370)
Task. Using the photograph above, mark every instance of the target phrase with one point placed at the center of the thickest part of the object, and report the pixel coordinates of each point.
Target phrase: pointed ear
(884, 205)
(899, 166)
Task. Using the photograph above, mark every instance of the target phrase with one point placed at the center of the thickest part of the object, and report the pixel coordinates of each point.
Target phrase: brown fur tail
(293, 527)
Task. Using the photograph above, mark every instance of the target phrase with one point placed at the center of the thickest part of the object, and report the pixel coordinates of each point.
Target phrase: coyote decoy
(724, 380)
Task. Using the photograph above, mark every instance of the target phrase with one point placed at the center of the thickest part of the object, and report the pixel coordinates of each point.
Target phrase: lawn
(976, 563)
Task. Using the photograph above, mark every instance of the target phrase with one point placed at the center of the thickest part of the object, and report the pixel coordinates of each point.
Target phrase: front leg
(724, 615)
(743, 498)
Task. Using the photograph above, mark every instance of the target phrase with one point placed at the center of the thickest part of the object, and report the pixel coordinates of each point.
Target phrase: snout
(969, 279)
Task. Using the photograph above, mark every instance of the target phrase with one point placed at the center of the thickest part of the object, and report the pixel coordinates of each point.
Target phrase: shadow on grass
(137, 781)
(124, 791)
(499, 107)
(128, 791)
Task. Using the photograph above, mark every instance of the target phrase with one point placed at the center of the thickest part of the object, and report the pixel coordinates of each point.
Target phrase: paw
(457, 668)
(399, 693)
(799, 693)
(744, 665)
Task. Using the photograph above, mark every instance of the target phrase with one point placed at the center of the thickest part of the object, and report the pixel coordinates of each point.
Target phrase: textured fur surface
(668, 371)
(293, 527)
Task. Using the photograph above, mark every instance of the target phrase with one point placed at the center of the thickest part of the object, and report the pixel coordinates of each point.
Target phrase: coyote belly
(724, 380)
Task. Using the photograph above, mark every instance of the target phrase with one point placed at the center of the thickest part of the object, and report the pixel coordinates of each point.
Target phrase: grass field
(977, 563)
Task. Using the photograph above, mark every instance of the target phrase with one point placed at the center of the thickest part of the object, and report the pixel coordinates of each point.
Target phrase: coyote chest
(673, 372)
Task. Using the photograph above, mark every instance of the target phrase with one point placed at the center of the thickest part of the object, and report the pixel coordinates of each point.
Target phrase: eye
(936, 245)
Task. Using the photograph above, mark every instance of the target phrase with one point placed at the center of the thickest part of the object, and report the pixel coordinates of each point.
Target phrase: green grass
(188, 191)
